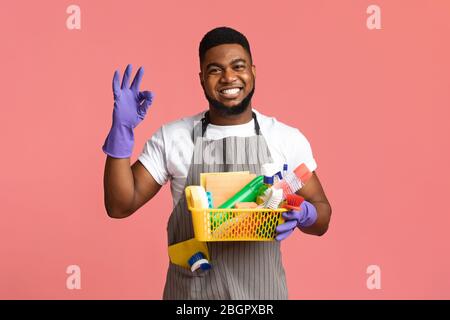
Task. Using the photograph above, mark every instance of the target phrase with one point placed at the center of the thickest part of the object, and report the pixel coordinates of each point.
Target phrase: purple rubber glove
(130, 107)
(306, 217)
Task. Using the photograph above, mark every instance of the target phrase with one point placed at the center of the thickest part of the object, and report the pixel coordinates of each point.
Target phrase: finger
(126, 76)
(288, 225)
(116, 82)
(137, 79)
(146, 95)
(142, 109)
(145, 100)
(290, 215)
(283, 235)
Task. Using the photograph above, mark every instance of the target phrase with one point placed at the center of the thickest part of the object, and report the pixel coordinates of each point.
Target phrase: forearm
(320, 227)
(118, 187)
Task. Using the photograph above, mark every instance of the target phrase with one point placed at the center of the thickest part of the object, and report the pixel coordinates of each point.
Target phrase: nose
(228, 75)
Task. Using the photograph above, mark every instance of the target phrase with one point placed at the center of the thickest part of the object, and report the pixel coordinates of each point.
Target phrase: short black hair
(222, 35)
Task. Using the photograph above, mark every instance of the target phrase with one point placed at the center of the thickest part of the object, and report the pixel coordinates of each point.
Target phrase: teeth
(231, 91)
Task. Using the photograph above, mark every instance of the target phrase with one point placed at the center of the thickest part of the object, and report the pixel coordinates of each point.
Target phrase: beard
(230, 111)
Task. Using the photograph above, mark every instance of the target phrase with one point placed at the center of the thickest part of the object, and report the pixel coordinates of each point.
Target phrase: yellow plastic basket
(234, 224)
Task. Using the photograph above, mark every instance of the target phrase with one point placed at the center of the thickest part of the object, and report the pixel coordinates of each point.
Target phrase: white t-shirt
(168, 153)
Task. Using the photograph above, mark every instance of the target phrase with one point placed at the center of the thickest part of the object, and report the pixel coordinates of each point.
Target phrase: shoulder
(176, 136)
(288, 141)
(181, 126)
(277, 129)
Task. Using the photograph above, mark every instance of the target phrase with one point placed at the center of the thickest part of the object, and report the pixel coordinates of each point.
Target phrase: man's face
(228, 78)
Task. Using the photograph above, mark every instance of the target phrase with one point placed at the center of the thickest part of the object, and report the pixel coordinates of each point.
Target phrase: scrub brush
(274, 199)
(293, 202)
(294, 181)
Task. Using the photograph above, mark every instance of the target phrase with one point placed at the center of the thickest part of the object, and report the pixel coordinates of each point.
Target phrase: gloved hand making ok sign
(305, 217)
(130, 108)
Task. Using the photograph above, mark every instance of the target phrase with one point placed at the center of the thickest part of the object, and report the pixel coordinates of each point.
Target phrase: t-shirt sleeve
(299, 151)
(153, 157)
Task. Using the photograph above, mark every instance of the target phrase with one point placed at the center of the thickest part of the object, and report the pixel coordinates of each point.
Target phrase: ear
(200, 75)
(254, 71)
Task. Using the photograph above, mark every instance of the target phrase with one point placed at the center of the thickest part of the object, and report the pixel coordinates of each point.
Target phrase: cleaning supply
(268, 170)
(267, 183)
(246, 194)
(196, 197)
(198, 260)
(224, 185)
(180, 253)
(274, 199)
(285, 170)
(278, 177)
(294, 181)
(210, 199)
(293, 202)
(206, 175)
(246, 205)
(280, 174)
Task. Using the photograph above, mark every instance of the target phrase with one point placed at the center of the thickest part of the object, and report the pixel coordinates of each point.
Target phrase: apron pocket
(201, 284)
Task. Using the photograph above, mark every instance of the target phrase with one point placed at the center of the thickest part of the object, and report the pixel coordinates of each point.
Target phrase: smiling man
(228, 80)
(181, 150)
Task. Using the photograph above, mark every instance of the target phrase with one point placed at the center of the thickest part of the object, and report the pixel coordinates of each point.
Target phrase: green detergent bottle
(246, 194)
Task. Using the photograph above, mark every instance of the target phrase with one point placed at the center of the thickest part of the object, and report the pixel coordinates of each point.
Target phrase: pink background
(373, 103)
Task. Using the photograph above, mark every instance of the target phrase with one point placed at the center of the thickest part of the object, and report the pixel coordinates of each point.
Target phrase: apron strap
(205, 121)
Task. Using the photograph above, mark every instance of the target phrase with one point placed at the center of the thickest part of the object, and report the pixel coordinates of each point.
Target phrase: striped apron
(240, 269)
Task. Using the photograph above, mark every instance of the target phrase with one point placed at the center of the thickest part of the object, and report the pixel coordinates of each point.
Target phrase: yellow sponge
(196, 197)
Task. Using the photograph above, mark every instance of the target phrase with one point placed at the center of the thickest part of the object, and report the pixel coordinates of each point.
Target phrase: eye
(214, 71)
(239, 67)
